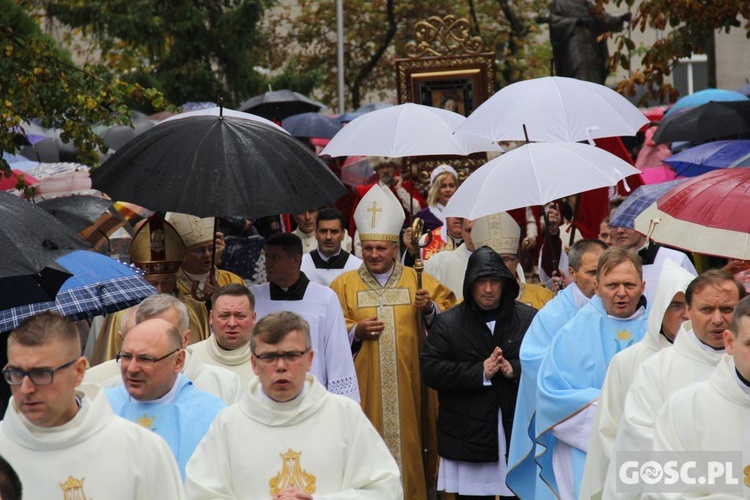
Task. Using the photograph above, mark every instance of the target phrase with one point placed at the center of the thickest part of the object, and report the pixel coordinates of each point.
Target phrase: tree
(191, 50)
(689, 27)
(39, 82)
(376, 32)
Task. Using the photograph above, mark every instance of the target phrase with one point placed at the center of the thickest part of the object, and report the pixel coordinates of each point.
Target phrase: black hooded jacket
(452, 362)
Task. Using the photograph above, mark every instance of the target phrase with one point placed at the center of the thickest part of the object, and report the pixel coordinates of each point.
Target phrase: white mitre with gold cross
(193, 230)
(501, 233)
(379, 215)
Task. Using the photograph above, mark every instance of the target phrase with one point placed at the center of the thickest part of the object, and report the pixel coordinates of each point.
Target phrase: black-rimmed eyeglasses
(38, 376)
(271, 358)
(126, 357)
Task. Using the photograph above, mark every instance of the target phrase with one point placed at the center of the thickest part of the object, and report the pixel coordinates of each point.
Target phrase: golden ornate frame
(445, 62)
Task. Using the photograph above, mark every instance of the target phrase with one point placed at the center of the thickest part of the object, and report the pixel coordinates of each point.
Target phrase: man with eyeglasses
(288, 438)
(212, 379)
(156, 395)
(68, 442)
(697, 350)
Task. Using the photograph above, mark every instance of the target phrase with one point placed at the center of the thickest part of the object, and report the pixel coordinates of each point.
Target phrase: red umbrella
(7, 183)
(708, 214)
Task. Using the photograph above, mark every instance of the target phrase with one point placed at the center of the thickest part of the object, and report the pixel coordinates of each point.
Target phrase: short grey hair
(157, 304)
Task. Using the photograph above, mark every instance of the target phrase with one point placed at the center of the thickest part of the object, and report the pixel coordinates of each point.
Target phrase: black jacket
(452, 362)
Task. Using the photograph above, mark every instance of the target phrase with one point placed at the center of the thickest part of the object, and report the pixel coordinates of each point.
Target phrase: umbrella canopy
(218, 166)
(92, 217)
(638, 201)
(711, 156)
(311, 125)
(406, 130)
(116, 136)
(706, 214)
(705, 96)
(220, 111)
(554, 108)
(703, 123)
(356, 171)
(535, 174)
(278, 104)
(30, 241)
(373, 107)
(8, 183)
(100, 285)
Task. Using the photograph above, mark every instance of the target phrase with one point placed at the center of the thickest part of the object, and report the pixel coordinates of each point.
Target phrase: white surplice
(713, 415)
(332, 365)
(660, 376)
(320, 443)
(620, 374)
(237, 360)
(95, 455)
(449, 269)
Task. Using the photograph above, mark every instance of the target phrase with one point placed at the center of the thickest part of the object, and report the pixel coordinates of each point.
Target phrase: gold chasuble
(388, 368)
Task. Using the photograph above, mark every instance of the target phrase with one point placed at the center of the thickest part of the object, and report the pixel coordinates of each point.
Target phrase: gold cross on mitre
(374, 209)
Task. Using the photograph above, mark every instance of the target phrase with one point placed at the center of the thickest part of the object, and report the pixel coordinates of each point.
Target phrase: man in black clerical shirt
(328, 260)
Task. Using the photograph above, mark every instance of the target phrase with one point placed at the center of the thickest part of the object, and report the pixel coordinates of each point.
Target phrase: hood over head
(486, 262)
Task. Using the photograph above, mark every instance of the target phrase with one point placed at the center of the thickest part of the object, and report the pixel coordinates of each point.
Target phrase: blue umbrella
(310, 125)
(638, 201)
(711, 156)
(704, 96)
(99, 285)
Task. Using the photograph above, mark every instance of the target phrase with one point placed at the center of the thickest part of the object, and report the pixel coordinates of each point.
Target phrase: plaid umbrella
(638, 200)
(100, 285)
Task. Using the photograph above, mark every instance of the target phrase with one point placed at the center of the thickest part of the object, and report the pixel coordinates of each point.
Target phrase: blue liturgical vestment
(182, 422)
(523, 473)
(572, 373)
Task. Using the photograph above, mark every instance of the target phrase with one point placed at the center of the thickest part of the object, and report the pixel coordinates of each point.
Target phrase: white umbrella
(406, 130)
(535, 174)
(554, 108)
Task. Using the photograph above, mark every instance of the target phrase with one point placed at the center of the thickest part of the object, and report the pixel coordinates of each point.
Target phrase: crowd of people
(350, 373)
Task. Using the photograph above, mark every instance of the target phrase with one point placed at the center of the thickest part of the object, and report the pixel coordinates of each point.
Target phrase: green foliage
(691, 25)
(191, 50)
(38, 82)
(307, 32)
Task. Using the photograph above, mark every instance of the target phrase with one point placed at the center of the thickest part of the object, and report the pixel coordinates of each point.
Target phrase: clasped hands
(497, 363)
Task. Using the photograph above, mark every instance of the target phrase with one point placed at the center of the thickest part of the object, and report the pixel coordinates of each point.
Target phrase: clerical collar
(383, 278)
(703, 346)
(294, 292)
(336, 261)
(200, 278)
(579, 298)
(169, 397)
(744, 383)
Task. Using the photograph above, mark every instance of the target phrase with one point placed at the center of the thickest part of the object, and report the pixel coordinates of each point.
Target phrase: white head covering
(441, 169)
(379, 215)
(192, 229)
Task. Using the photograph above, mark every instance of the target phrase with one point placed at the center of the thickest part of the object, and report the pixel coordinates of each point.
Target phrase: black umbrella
(30, 241)
(311, 125)
(218, 166)
(708, 121)
(92, 217)
(278, 104)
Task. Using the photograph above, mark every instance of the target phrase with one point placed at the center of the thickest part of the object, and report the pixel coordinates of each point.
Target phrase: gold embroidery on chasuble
(292, 475)
(384, 299)
(73, 489)
(145, 421)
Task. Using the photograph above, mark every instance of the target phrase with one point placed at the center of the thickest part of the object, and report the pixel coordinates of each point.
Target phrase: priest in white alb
(232, 318)
(711, 299)
(666, 314)
(288, 437)
(713, 416)
(288, 289)
(67, 443)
